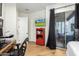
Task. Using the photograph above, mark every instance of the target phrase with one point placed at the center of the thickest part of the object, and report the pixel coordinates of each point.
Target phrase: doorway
(22, 29)
(64, 28)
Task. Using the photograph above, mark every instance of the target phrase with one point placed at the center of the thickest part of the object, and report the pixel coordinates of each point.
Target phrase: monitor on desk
(1, 32)
(1, 27)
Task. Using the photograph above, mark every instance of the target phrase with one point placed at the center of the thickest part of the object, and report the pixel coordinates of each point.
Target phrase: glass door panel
(60, 29)
(70, 26)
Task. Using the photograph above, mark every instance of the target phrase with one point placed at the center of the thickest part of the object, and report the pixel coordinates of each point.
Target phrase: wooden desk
(7, 47)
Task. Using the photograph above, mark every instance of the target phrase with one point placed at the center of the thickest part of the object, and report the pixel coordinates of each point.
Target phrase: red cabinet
(40, 36)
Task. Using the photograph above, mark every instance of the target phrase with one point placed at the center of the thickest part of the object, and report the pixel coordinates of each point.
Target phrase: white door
(22, 29)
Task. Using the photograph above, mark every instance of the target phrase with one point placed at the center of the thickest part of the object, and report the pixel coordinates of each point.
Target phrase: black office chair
(20, 51)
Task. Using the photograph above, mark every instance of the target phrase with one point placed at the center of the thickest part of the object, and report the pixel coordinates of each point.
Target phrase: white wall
(56, 11)
(31, 21)
(9, 15)
(32, 17)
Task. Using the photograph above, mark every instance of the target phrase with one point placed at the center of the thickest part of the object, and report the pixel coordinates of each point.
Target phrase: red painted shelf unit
(40, 36)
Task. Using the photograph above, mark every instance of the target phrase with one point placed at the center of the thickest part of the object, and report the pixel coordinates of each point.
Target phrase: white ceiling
(31, 7)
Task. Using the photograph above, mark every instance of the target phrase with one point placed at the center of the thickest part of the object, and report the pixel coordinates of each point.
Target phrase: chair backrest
(23, 47)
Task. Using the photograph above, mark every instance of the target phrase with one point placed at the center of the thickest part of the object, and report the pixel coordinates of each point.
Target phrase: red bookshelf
(40, 36)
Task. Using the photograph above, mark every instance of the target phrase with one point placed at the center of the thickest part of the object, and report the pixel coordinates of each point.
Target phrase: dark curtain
(77, 15)
(77, 21)
(51, 43)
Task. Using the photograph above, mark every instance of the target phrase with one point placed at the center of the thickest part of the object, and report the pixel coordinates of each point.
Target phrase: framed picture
(40, 22)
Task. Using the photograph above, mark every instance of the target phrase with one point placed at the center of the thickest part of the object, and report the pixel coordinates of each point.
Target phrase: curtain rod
(64, 6)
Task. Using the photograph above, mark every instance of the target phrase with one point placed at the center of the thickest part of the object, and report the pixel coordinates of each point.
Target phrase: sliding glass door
(60, 29)
(64, 28)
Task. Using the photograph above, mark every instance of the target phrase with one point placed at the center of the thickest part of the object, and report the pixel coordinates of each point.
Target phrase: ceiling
(31, 7)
